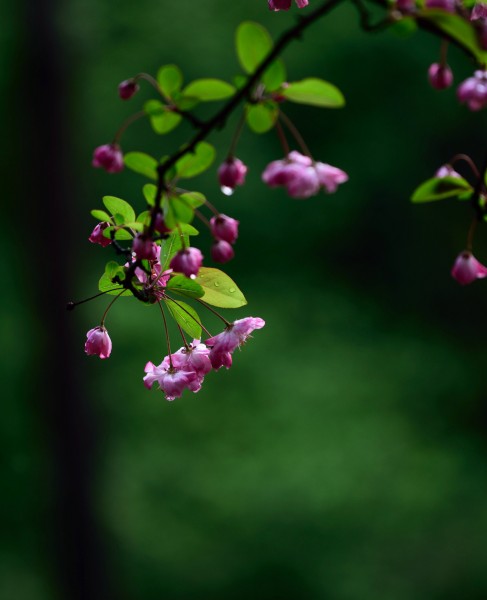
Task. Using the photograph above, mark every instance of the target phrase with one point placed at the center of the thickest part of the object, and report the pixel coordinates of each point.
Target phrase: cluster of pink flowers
(301, 176)
(186, 368)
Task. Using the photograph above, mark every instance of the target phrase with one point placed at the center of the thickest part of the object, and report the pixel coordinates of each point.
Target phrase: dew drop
(217, 284)
(228, 191)
(231, 290)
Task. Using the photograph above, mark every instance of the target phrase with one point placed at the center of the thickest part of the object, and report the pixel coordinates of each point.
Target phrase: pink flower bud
(479, 11)
(448, 5)
(440, 76)
(187, 261)
(285, 4)
(405, 6)
(473, 91)
(224, 228)
(98, 342)
(160, 225)
(447, 171)
(108, 157)
(144, 248)
(223, 344)
(222, 252)
(127, 89)
(467, 268)
(231, 173)
(97, 236)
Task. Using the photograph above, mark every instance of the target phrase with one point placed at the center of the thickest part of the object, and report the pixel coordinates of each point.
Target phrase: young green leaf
(208, 90)
(117, 206)
(144, 217)
(261, 117)
(106, 285)
(150, 190)
(315, 92)
(274, 76)
(162, 119)
(186, 317)
(196, 162)
(439, 188)
(219, 289)
(101, 215)
(253, 43)
(170, 80)
(170, 246)
(120, 233)
(185, 286)
(141, 163)
(194, 199)
(183, 213)
(187, 229)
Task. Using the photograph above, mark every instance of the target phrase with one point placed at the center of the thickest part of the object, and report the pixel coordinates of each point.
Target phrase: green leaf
(439, 188)
(186, 317)
(185, 102)
(253, 43)
(117, 206)
(181, 211)
(141, 163)
(405, 27)
(135, 226)
(150, 190)
(170, 80)
(219, 289)
(185, 286)
(456, 27)
(208, 90)
(170, 246)
(162, 119)
(194, 199)
(112, 268)
(314, 92)
(105, 284)
(239, 81)
(144, 217)
(274, 76)
(187, 229)
(197, 162)
(120, 233)
(261, 117)
(101, 215)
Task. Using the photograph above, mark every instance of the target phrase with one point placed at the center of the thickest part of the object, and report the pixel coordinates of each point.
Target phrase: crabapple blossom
(160, 224)
(479, 11)
(440, 76)
(446, 171)
(285, 4)
(448, 5)
(473, 91)
(224, 228)
(108, 157)
(127, 89)
(405, 6)
(98, 342)
(172, 381)
(194, 358)
(187, 261)
(97, 236)
(231, 173)
(234, 335)
(222, 252)
(144, 248)
(467, 268)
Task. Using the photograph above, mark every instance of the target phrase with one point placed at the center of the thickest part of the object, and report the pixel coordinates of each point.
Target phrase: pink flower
(479, 11)
(223, 344)
(97, 236)
(467, 268)
(285, 4)
(448, 5)
(172, 381)
(405, 6)
(144, 248)
(98, 342)
(224, 228)
(108, 157)
(195, 358)
(222, 252)
(447, 171)
(160, 224)
(231, 173)
(187, 261)
(301, 176)
(127, 89)
(473, 91)
(440, 76)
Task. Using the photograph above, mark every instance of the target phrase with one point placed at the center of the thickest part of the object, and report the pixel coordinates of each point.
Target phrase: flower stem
(135, 117)
(168, 342)
(109, 307)
(227, 323)
(295, 133)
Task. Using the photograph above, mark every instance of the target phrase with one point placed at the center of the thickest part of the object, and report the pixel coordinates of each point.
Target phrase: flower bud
(448, 5)
(440, 76)
(447, 171)
(222, 252)
(285, 4)
(127, 89)
(160, 225)
(98, 342)
(479, 11)
(144, 248)
(467, 268)
(97, 236)
(231, 173)
(108, 157)
(187, 261)
(473, 91)
(224, 228)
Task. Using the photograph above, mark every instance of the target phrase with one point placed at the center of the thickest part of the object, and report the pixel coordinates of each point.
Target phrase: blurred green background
(344, 455)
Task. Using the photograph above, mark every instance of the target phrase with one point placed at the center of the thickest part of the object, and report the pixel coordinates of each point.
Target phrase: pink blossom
(127, 89)
(301, 176)
(160, 224)
(232, 173)
(187, 261)
(108, 157)
(405, 6)
(448, 5)
(285, 4)
(97, 236)
(479, 11)
(223, 344)
(473, 91)
(467, 268)
(447, 171)
(195, 358)
(224, 228)
(222, 252)
(144, 248)
(98, 342)
(440, 76)
(172, 381)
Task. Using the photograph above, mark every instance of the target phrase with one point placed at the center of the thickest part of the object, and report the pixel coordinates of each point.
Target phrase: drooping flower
(195, 358)
(448, 5)
(172, 381)
(127, 89)
(187, 261)
(285, 4)
(222, 252)
(108, 157)
(97, 236)
(224, 228)
(473, 91)
(144, 248)
(98, 342)
(301, 176)
(447, 171)
(467, 268)
(223, 344)
(440, 76)
(231, 173)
